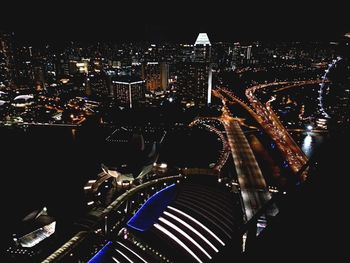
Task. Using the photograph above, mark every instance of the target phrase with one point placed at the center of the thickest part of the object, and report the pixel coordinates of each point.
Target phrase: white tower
(202, 54)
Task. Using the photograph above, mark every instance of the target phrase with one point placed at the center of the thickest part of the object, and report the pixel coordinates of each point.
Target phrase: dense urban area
(163, 152)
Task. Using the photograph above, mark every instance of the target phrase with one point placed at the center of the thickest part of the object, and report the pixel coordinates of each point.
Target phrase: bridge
(295, 157)
(269, 121)
(254, 191)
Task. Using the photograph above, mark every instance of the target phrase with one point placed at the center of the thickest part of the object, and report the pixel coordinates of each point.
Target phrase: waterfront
(309, 141)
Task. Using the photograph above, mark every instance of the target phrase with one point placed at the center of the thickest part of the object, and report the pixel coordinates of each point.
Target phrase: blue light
(101, 255)
(149, 212)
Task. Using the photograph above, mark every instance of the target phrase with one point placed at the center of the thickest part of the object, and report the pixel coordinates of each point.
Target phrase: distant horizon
(22, 39)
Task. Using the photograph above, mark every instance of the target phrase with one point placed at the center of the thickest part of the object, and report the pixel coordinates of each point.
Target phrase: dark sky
(117, 20)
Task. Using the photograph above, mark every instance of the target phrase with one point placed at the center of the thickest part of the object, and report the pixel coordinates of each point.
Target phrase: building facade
(202, 48)
(7, 61)
(156, 75)
(194, 83)
(194, 79)
(128, 91)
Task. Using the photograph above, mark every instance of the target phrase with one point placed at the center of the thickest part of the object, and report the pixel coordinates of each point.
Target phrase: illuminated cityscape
(144, 148)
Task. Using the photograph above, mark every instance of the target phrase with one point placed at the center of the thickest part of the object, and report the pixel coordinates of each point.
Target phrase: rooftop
(127, 79)
(202, 39)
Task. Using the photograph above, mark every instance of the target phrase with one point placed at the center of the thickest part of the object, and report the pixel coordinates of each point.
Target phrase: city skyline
(172, 132)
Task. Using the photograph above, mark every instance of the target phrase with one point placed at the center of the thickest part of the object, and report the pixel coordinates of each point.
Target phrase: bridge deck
(252, 183)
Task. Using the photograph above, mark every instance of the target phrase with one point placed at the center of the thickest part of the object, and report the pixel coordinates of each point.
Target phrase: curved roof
(189, 221)
(24, 97)
(2, 102)
(148, 214)
(192, 226)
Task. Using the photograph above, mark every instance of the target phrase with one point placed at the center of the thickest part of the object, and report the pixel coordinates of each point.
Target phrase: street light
(309, 127)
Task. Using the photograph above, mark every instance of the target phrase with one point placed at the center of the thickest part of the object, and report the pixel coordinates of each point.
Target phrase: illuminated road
(225, 152)
(252, 184)
(251, 181)
(295, 157)
(269, 121)
(46, 124)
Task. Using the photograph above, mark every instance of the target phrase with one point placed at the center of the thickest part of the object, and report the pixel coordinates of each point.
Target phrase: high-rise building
(249, 52)
(242, 55)
(96, 84)
(128, 90)
(39, 78)
(194, 82)
(24, 66)
(194, 79)
(156, 75)
(185, 53)
(237, 58)
(78, 66)
(7, 61)
(202, 48)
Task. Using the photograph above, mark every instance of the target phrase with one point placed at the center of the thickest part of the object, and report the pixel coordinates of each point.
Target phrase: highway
(269, 121)
(295, 157)
(254, 191)
(253, 187)
(46, 124)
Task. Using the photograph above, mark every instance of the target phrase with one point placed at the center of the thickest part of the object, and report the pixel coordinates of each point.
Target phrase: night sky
(59, 21)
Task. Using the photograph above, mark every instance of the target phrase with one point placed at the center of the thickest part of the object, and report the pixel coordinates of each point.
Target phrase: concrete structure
(254, 190)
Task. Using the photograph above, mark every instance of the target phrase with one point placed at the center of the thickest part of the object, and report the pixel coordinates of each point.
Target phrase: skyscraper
(156, 75)
(96, 84)
(128, 91)
(194, 79)
(7, 66)
(249, 52)
(202, 48)
(39, 77)
(236, 54)
(194, 82)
